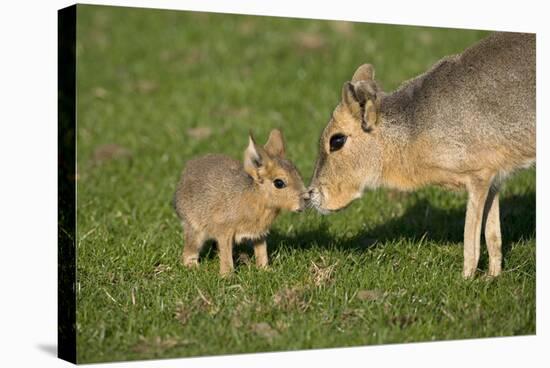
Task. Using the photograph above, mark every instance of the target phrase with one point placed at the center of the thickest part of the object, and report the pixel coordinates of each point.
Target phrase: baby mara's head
(276, 178)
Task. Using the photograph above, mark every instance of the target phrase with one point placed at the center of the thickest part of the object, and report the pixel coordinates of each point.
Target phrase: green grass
(385, 270)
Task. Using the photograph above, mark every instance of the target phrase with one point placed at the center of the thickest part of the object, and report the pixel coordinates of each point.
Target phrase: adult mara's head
(350, 154)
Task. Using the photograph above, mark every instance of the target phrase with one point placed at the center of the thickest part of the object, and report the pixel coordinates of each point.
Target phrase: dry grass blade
(109, 152)
(183, 313)
(158, 345)
(310, 40)
(160, 269)
(111, 297)
(366, 295)
(343, 27)
(200, 305)
(290, 299)
(403, 321)
(322, 273)
(200, 132)
(352, 314)
(204, 298)
(264, 330)
(100, 92)
(146, 86)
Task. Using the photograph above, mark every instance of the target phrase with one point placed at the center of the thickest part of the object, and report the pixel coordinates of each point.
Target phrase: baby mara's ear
(256, 159)
(364, 73)
(362, 97)
(275, 145)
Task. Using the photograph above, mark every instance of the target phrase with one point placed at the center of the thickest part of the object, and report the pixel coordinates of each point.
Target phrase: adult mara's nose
(304, 200)
(312, 192)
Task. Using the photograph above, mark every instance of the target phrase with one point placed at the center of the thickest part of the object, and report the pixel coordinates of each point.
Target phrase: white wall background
(28, 181)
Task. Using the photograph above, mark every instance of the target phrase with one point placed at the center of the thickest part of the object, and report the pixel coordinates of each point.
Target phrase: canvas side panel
(66, 306)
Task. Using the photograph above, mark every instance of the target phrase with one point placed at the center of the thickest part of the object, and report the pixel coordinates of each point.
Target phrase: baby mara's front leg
(260, 253)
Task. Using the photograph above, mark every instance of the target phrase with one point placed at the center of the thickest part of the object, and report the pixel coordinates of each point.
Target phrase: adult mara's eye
(279, 184)
(337, 141)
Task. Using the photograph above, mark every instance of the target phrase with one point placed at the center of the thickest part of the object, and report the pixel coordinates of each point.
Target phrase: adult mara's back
(467, 123)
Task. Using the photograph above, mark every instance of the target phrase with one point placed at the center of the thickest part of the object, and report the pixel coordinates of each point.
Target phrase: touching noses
(312, 192)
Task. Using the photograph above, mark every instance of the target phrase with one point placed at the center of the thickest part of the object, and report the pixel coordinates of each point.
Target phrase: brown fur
(222, 199)
(466, 123)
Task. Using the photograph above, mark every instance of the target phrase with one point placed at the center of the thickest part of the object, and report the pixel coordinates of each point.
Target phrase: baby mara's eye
(279, 184)
(337, 142)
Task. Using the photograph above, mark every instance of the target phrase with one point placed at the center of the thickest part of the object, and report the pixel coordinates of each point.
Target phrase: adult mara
(466, 124)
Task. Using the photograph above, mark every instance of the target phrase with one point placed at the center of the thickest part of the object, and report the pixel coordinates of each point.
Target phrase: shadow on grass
(422, 220)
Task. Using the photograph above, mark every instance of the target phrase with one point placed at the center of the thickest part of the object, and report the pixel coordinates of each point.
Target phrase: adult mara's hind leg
(492, 231)
(478, 189)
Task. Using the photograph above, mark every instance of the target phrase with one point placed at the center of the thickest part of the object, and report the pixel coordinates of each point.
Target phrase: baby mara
(228, 201)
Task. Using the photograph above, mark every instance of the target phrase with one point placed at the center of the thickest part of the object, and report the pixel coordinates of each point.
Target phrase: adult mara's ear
(255, 160)
(362, 100)
(275, 145)
(351, 100)
(368, 93)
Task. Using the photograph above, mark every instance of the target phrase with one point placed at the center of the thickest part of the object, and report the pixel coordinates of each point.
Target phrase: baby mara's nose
(305, 199)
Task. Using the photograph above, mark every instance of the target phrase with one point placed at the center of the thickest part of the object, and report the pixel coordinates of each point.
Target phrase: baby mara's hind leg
(193, 241)
(225, 249)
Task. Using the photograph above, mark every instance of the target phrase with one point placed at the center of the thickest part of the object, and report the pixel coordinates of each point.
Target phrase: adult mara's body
(467, 123)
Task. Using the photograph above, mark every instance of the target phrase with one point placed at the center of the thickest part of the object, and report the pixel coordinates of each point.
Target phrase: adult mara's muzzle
(316, 200)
